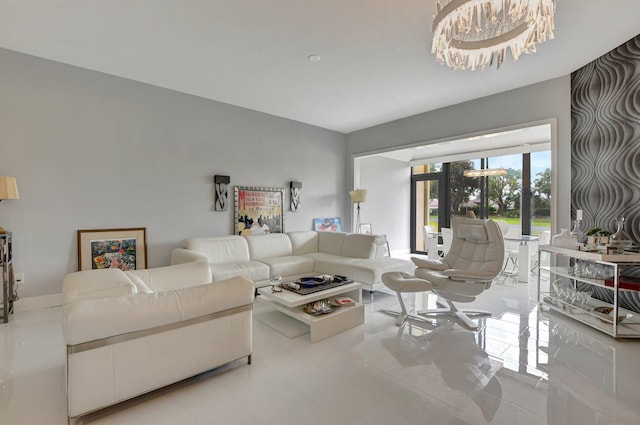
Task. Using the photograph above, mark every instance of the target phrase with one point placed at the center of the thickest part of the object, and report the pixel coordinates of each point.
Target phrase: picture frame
(327, 224)
(365, 229)
(258, 210)
(124, 249)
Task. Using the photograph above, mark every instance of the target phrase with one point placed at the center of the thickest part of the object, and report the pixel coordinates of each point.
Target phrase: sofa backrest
(304, 242)
(359, 246)
(220, 249)
(477, 245)
(269, 245)
(330, 242)
(177, 276)
(89, 284)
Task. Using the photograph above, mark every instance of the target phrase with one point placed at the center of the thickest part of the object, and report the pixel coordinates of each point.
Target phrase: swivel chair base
(450, 310)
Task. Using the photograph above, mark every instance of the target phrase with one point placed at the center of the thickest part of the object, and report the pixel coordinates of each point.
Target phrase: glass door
(426, 211)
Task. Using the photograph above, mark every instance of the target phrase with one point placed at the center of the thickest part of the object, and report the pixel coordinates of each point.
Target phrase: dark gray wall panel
(605, 139)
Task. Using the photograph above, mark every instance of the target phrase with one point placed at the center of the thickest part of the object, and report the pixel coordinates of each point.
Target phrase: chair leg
(462, 315)
(403, 314)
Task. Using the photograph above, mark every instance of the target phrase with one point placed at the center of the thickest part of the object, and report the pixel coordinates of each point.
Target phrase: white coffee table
(321, 326)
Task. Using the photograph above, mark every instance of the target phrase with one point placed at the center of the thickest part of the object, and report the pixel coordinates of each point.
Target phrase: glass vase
(620, 240)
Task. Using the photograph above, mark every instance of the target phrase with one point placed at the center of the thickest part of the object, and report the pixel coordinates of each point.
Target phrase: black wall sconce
(296, 188)
(222, 192)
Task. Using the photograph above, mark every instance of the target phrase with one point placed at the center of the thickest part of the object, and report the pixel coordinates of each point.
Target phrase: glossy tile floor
(521, 367)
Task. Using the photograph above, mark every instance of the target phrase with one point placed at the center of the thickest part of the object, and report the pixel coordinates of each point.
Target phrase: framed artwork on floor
(124, 249)
(258, 210)
(333, 224)
(365, 229)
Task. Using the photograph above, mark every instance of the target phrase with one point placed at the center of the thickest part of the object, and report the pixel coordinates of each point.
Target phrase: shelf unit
(8, 279)
(563, 266)
(325, 325)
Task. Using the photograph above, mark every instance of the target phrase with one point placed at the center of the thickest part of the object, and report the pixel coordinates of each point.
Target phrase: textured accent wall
(605, 140)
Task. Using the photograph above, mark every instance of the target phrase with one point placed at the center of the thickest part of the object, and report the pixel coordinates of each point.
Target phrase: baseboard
(34, 303)
(401, 253)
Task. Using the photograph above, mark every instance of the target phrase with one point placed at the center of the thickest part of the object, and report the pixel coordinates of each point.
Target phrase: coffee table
(321, 326)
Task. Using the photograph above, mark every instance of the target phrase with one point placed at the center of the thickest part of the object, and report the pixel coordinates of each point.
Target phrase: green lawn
(537, 224)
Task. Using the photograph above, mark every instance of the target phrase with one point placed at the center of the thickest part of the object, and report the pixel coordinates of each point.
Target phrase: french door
(429, 200)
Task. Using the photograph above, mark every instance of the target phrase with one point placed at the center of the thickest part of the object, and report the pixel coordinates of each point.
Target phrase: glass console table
(588, 287)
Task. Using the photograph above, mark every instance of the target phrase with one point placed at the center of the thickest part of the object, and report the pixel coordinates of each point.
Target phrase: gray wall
(96, 151)
(543, 101)
(388, 199)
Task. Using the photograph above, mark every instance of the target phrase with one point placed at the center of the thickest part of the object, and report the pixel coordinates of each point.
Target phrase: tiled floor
(522, 367)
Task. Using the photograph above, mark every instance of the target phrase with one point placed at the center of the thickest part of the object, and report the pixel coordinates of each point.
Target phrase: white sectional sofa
(128, 333)
(293, 255)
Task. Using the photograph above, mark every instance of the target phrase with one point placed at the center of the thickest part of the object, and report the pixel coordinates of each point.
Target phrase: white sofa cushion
(289, 266)
(219, 296)
(367, 271)
(358, 246)
(220, 249)
(330, 242)
(101, 283)
(101, 318)
(253, 270)
(304, 242)
(141, 287)
(173, 277)
(269, 246)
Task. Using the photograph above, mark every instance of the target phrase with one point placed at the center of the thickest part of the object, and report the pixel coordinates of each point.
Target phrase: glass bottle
(620, 240)
(575, 230)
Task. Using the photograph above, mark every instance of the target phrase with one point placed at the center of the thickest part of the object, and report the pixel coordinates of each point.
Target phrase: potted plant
(597, 236)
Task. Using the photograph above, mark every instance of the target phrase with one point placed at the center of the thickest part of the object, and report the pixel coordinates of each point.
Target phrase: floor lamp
(357, 196)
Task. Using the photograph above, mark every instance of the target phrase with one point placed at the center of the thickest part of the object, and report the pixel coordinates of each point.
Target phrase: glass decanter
(575, 230)
(620, 240)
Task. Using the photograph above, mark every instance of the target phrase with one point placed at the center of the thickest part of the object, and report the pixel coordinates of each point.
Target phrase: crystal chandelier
(476, 33)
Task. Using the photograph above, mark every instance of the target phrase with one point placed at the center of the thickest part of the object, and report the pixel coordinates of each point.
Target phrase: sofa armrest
(216, 297)
(88, 284)
(182, 255)
(96, 319)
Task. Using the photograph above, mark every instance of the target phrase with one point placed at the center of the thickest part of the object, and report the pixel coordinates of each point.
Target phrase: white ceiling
(525, 139)
(375, 65)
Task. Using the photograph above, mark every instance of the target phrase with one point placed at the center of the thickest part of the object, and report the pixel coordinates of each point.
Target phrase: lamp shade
(358, 195)
(8, 188)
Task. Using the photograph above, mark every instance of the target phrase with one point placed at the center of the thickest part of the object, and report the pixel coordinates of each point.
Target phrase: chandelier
(477, 33)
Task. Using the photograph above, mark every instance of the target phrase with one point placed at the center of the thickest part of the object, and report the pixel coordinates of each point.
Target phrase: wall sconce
(357, 196)
(296, 188)
(222, 192)
(8, 190)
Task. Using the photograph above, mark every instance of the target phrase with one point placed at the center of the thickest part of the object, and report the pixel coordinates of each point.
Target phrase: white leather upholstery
(234, 248)
(101, 283)
(104, 317)
(295, 254)
(474, 260)
(125, 344)
(254, 270)
(359, 246)
(304, 242)
(331, 242)
(268, 246)
(174, 277)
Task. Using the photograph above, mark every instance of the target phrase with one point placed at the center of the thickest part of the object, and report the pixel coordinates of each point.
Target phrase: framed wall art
(124, 249)
(222, 192)
(258, 210)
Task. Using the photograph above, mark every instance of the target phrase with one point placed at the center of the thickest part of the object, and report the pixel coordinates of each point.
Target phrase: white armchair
(468, 269)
